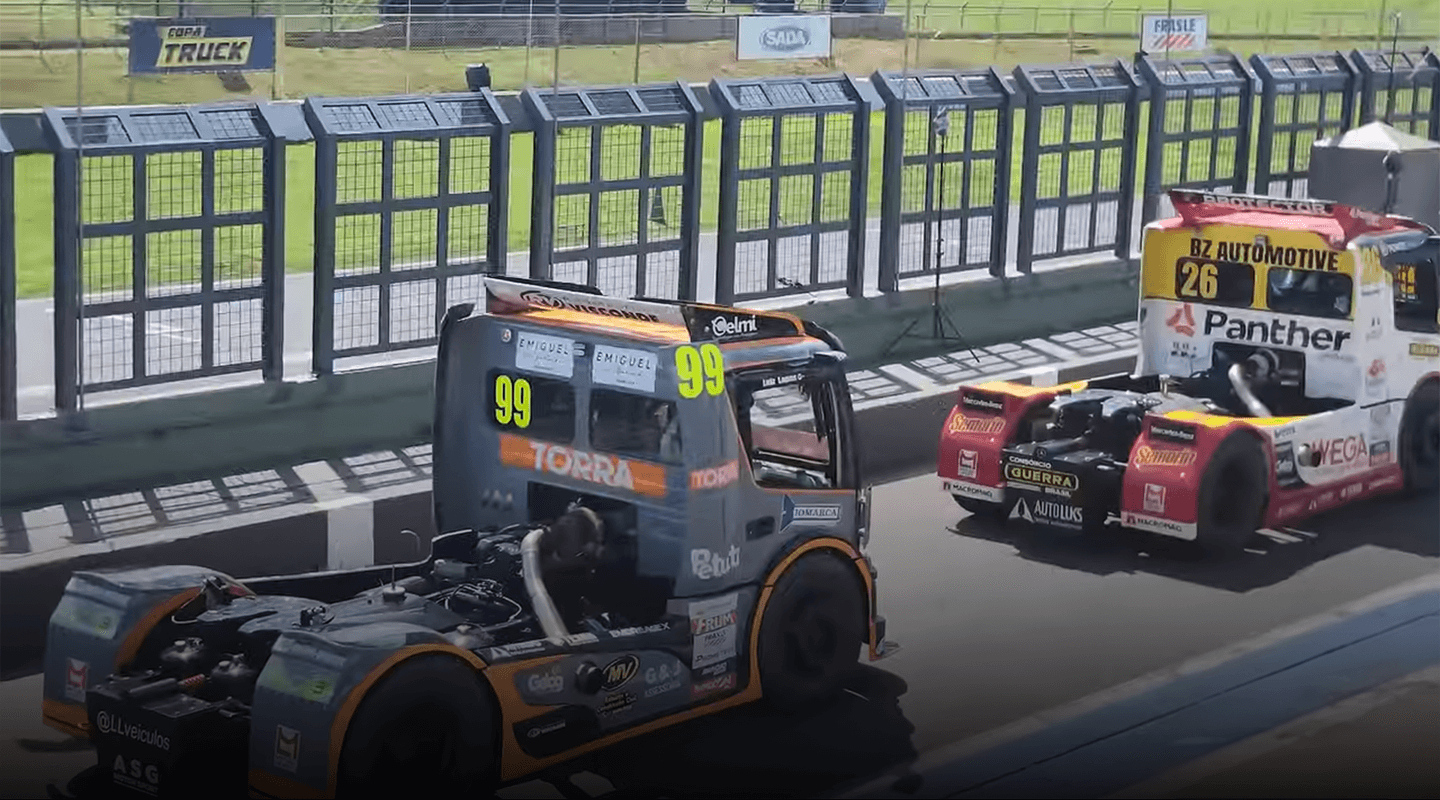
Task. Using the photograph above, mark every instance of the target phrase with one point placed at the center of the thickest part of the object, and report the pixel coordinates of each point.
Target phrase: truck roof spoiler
(702, 321)
(1195, 208)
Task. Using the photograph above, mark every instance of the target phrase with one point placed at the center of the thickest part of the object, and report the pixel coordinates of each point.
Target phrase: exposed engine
(194, 680)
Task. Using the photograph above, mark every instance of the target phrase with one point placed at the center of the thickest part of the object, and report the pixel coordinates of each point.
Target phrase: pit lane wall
(163, 440)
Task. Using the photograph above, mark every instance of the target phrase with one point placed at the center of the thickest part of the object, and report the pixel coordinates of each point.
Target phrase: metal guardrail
(170, 221)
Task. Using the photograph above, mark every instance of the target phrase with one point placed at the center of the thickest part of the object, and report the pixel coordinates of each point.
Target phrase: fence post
(691, 197)
(542, 184)
(322, 326)
(892, 177)
(727, 214)
(8, 389)
(272, 259)
(1029, 172)
(859, 184)
(66, 204)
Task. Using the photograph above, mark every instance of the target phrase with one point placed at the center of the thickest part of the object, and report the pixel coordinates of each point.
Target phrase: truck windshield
(1308, 292)
(543, 408)
(625, 424)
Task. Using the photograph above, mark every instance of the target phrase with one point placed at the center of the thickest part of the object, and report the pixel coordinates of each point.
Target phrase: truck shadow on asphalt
(753, 751)
(1405, 525)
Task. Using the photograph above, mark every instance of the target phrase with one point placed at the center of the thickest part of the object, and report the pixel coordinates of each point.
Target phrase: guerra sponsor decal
(105, 722)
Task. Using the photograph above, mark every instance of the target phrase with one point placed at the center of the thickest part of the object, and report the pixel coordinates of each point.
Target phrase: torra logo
(598, 468)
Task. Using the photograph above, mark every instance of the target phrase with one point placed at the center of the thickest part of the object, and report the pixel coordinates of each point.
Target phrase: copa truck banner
(219, 44)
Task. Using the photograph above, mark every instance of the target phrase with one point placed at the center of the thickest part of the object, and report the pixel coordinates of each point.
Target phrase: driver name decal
(597, 468)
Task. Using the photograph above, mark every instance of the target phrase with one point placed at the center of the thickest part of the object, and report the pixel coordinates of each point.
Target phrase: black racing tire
(1420, 440)
(426, 729)
(811, 632)
(1233, 494)
(981, 508)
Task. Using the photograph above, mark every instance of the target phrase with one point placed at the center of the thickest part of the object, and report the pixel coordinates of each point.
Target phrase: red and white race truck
(1288, 365)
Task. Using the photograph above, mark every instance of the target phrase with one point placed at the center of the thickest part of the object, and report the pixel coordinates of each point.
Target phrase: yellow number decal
(700, 370)
(1205, 275)
(512, 401)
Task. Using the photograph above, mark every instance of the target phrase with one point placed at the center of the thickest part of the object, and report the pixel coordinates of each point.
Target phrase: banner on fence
(222, 44)
(1185, 34)
(770, 36)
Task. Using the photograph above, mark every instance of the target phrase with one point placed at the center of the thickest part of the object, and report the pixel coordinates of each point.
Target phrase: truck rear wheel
(1232, 496)
(1420, 440)
(811, 632)
(425, 729)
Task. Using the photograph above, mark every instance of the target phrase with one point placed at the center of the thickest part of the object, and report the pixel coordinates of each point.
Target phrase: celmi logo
(1274, 331)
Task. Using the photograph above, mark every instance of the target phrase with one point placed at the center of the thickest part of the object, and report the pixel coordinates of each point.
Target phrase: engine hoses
(545, 609)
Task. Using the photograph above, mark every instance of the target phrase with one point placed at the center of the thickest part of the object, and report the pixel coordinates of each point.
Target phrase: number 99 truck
(623, 545)
(1287, 365)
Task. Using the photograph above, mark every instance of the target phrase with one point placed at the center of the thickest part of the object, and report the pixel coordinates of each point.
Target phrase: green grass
(359, 73)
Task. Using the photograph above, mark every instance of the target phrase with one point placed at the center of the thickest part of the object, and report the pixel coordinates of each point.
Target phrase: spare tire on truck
(811, 632)
(1420, 440)
(426, 729)
(1233, 492)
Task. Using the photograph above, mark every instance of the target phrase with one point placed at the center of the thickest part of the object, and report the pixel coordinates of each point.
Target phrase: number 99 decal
(512, 401)
(700, 370)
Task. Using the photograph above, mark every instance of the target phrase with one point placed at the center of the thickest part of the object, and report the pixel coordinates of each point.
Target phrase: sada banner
(766, 36)
(220, 44)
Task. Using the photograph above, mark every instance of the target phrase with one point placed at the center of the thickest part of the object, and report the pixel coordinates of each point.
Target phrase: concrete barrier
(172, 439)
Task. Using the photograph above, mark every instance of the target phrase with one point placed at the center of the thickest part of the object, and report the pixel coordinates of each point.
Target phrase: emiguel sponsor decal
(1238, 328)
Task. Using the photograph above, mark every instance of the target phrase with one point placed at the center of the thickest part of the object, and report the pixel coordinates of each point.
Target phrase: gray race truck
(623, 545)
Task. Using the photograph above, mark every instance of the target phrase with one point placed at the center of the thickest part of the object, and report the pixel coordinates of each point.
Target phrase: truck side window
(1417, 300)
(543, 408)
(797, 453)
(641, 427)
(1309, 292)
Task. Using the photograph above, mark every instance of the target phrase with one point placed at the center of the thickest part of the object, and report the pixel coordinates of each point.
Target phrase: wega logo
(959, 423)
(1163, 457)
(1341, 451)
(715, 477)
(785, 38)
(610, 471)
(1182, 321)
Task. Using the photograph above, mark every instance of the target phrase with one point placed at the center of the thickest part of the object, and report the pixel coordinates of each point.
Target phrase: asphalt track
(995, 625)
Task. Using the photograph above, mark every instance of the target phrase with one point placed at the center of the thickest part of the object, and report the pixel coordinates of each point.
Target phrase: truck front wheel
(427, 729)
(1420, 440)
(811, 632)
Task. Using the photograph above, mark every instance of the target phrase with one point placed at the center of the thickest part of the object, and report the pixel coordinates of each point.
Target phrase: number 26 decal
(512, 401)
(700, 370)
